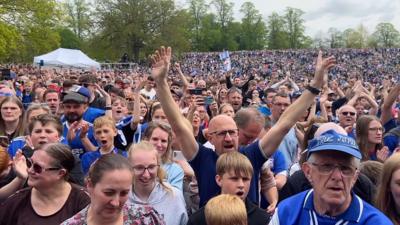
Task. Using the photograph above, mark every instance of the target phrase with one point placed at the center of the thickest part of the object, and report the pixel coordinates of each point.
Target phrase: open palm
(160, 62)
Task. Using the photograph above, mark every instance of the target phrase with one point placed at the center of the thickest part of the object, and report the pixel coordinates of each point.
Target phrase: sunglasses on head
(38, 168)
(347, 113)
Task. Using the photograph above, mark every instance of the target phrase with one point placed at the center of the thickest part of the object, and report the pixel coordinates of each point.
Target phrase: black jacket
(255, 215)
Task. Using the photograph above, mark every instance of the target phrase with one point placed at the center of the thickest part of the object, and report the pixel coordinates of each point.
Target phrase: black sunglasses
(38, 168)
(347, 113)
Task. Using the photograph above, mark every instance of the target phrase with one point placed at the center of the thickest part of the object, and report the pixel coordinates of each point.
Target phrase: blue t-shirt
(278, 164)
(89, 157)
(175, 174)
(76, 144)
(299, 210)
(390, 140)
(204, 166)
(90, 115)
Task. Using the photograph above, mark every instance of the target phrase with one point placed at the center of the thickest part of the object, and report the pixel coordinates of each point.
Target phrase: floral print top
(133, 215)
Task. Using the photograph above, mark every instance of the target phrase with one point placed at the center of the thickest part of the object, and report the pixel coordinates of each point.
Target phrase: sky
(320, 15)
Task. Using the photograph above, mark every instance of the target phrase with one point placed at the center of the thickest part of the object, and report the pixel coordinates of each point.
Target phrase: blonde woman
(149, 189)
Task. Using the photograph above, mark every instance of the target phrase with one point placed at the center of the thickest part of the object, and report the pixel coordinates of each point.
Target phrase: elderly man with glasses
(332, 168)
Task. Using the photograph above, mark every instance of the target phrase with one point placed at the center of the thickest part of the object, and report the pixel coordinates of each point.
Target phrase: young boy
(234, 172)
(104, 133)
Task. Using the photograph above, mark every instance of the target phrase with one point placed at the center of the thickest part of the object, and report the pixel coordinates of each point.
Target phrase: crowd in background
(173, 126)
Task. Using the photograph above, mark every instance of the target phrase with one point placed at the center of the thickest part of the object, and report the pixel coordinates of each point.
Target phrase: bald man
(223, 131)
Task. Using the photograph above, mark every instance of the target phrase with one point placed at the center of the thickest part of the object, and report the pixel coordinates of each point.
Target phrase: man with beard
(77, 131)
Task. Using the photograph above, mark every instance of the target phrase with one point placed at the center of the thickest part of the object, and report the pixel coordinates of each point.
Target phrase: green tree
(386, 35)
(31, 25)
(78, 17)
(135, 26)
(277, 38)
(294, 24)
(69, 39)
(254, 31)
(335, 38)
(197, 10)
(224, 12)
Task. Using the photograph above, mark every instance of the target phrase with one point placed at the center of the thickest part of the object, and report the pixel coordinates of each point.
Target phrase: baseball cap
(77, 94)
(332, 141)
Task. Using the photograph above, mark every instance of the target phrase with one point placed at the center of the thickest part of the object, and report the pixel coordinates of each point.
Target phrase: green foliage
(254, 32)
(69, 39)
(386, 35)
(78, 17)
(277, 36)
(27, 28)
(106, 29)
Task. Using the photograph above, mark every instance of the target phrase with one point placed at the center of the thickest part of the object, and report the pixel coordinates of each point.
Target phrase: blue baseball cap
(76, 94)
(330, 140)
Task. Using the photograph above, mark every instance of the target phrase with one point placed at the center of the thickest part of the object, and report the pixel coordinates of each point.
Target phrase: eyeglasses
(375, 129)
(140, 169)
(347, 113)
(222, 133)
(327, 169)
(38, 168)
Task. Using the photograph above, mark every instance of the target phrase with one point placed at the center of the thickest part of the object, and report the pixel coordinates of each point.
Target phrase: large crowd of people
(282, 137)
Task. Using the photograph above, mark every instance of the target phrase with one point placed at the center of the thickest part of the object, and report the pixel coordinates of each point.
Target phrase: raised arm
(181, 126)
(270, 142)
(182, 76)
(386, 113)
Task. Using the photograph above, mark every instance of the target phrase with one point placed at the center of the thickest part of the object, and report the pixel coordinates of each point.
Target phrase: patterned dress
(132, 215)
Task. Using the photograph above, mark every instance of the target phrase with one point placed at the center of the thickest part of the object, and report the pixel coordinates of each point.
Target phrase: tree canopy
(107, 29)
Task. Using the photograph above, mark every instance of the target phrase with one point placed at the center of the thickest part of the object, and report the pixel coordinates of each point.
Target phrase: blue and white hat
(330, 140)
(76, 94)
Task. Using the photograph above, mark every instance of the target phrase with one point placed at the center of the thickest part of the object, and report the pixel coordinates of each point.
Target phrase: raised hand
(323, 64)
(19, 165)
(382, 154)
(73, 128)
(141, 83)
(84, 129)
(160, 62)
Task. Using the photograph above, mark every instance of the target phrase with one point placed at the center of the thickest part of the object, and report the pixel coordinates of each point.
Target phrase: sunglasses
(38, 168)
(347, 113)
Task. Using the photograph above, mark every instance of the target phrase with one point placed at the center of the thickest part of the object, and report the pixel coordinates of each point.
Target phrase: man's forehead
(282, 99)
(222, 120)
(332, 156)
(347, 108)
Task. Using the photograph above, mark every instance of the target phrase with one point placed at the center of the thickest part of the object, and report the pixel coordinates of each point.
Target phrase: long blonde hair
(148, 147)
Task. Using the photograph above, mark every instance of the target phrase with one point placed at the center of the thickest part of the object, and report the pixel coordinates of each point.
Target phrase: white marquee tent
(66, 58)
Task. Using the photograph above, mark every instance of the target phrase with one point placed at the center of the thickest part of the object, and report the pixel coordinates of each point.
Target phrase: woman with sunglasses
(109, 182)
(369, 133)
(149, 188)
(50, 198)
